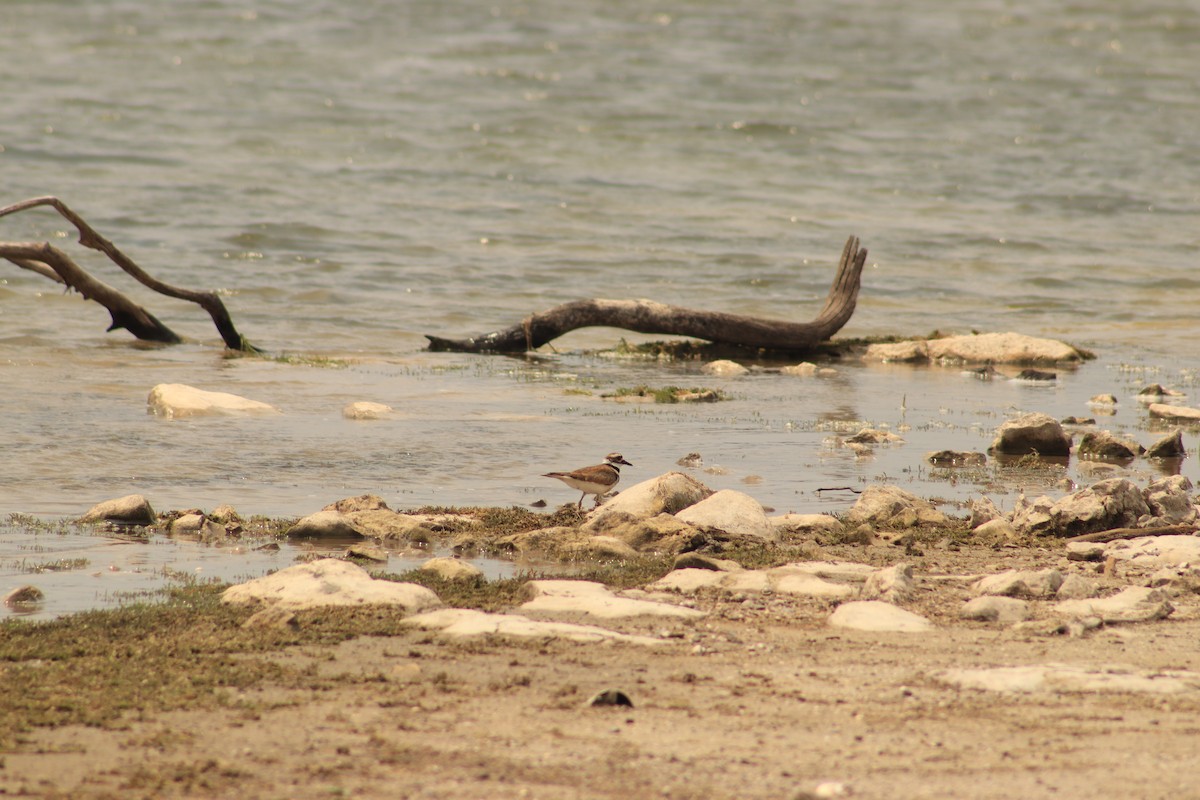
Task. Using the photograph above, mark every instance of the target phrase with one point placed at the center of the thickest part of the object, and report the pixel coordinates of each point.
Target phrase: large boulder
(1034, 433)
(982, 348)
(1177, 413)
(1170, 446)
(1002, 348)
(175, 400)
(1104, 446)
(730, 511)
(1020, 583)
(662, 534)
(1113, 503)
(1170, 501)
(326, 525)
(665, 494)
(567, 543)
(132, 509)
(385, 523)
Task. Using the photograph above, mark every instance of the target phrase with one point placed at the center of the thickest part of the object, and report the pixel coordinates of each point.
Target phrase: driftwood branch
(1116, 534)
(53, 263)
(646, 316)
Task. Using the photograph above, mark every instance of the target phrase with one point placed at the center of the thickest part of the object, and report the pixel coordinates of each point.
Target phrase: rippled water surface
(354, 176)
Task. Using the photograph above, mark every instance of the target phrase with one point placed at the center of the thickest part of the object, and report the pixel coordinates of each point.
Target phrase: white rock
(132, 509)
(176, 400)
(452, 569)
(365, 409)
(1134, 604)
(1157, 551)
(329, 582)
(1112, 503)
(196, 525)
(1166, 411)
(807, 585)
(1077, 587)
(385, 523)
(983, 511)
(844, 571)
(655, 534)
(890, 506)
(875, 615)
(724, 368)
(804, 369)
(794, 579)
(667, 493)
(914, 350)
(893, 584)
(1032, 516)
(748, 580)
(983, 348)
(326, 524)
(467, 622)
(730, 511)
(1005, 610)
(1065, 678)
(595, 599)
(1170, 500)
(1032, 433)
(806, 523)
(1085, 551)
(689, 580)
(1001, 348)
(607, 548)
(1000, 530)
(1020, 583)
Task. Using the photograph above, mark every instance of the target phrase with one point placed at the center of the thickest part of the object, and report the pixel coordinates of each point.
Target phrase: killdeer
(598, 480)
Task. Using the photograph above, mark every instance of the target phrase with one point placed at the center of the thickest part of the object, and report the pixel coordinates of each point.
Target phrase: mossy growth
(671, 394)
(499, 522)
(304, 360)
(92, 668)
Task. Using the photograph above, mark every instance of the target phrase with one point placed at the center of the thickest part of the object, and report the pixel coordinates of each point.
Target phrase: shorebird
(598, 480)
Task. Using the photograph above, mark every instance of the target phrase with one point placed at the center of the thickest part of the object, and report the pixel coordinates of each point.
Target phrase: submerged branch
(647, 316)
(46, 259)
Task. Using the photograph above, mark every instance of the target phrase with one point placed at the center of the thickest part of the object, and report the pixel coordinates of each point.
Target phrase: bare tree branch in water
(646, 316)
(50, 262)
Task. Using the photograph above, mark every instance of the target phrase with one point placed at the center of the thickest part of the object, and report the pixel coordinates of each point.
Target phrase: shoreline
(754, 694)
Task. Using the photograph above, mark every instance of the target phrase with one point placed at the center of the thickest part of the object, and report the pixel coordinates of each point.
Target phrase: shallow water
(80, 567)
(355, 177)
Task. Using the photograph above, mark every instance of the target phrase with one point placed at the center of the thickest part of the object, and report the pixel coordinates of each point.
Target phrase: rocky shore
(717, 651)
(683, 642)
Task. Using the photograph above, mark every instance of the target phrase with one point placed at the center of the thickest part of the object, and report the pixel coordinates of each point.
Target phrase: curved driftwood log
(53, 263)
(647, 316)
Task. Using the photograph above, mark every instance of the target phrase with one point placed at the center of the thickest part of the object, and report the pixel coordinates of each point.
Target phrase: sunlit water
(354, 176)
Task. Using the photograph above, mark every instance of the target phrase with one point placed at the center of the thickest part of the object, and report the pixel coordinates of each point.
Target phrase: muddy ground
(758, 699)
